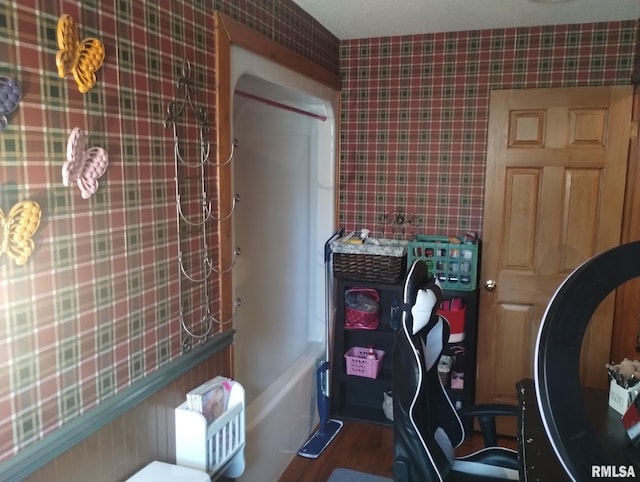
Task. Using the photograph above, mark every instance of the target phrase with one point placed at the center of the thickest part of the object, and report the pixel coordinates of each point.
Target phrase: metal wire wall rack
(192, 152)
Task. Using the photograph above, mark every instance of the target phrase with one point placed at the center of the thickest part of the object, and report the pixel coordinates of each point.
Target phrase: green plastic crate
(454, 264)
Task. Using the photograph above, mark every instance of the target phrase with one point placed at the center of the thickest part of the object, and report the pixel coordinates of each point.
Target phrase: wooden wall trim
(635, 68)
(239, 34)
(222, 41)
(44, 451)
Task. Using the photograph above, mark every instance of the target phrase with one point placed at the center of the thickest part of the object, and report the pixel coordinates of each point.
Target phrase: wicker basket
(386, 262)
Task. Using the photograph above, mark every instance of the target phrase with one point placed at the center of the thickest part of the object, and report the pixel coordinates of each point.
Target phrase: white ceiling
(350, 19)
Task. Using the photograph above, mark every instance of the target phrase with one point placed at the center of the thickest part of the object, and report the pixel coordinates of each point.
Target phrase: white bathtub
(278, 421)
(284, 173)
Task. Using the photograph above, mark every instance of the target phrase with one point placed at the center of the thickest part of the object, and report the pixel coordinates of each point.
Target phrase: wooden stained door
(554, 194)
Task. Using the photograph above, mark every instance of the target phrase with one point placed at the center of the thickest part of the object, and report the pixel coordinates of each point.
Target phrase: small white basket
(217, 447)
(620, 398)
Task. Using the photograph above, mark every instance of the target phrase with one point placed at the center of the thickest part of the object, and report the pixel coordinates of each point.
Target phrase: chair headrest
(422, 310)
(422, 295)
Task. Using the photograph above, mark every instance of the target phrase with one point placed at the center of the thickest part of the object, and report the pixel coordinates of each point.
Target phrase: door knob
(490, 285)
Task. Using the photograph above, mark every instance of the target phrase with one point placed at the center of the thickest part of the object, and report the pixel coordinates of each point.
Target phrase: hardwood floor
(366, 447)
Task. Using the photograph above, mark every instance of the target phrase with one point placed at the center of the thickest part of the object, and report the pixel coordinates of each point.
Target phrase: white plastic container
(620, 399)
(161, 471)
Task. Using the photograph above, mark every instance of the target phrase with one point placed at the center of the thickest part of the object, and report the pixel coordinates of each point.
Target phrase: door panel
(627, 324)
(514, 322)
(523, 186)
(554, 191)
(582, 191)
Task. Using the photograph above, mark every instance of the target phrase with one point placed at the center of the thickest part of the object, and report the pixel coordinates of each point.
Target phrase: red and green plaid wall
(415, 113)
(96, 306)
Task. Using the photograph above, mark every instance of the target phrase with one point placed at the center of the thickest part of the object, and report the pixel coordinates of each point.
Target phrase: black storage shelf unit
(467, 394)
(361, 398)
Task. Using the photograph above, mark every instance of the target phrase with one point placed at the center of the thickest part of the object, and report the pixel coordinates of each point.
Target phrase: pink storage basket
(358, 364)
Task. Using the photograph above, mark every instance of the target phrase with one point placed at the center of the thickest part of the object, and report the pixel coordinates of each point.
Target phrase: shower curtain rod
(279, 105)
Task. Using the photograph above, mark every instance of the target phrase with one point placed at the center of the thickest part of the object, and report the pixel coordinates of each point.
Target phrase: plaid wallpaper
(415, 113)
(96, 306)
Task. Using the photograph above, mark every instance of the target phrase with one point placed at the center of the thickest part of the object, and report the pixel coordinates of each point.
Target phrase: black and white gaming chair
(427, 427)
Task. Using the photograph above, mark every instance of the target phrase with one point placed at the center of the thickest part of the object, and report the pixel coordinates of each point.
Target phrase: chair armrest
(486, 414)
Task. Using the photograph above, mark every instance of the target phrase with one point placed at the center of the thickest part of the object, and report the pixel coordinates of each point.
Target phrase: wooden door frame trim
(231, 32)
(626, 326)
(228, 32)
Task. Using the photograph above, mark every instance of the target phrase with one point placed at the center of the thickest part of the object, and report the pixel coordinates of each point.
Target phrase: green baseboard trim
(40, 453)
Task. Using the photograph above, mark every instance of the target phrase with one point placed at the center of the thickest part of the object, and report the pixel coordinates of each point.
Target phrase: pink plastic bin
(358, 364)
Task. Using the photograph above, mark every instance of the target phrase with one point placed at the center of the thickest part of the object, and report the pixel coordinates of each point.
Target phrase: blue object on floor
(348, 475)
(328, 428)
(320, 439)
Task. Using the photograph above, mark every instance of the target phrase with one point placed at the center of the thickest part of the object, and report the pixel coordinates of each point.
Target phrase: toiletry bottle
(395, 314)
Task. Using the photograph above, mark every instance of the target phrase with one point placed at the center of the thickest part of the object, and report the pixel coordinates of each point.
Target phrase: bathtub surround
(284, 172)
(279, 420)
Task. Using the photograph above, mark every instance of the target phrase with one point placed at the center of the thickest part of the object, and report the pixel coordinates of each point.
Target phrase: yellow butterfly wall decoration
(80, 58)
(17, 229)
